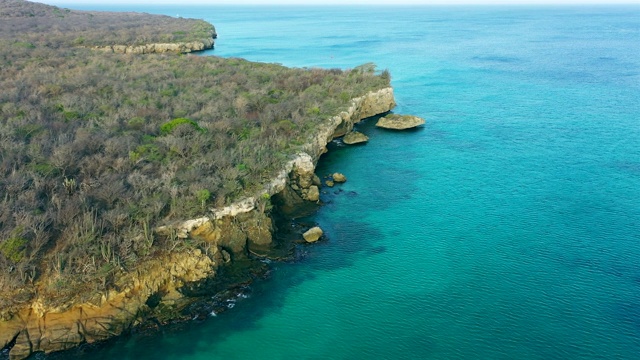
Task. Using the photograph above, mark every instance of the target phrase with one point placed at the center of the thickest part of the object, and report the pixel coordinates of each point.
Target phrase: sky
(338, 2)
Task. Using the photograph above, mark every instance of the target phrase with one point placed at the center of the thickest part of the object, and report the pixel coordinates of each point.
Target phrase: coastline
(442, 238)
(161, 289)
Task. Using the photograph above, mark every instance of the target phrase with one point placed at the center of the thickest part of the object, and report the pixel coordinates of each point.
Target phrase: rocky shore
(163, 287)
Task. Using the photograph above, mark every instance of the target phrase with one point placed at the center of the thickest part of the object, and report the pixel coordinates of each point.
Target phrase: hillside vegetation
(97, 149)
(28, 23)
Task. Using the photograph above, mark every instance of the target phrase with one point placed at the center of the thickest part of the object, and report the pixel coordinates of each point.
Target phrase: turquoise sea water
(507, 228)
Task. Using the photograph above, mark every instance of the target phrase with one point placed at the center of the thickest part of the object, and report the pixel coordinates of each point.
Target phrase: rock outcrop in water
(399, 122)
(313, 234)
(232, 233)
(339, 178)
(355, 137)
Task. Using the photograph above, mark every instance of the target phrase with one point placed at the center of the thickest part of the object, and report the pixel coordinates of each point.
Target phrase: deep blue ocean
(508, 227)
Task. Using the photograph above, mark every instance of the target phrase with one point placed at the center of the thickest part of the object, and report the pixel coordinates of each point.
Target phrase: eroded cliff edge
(159, 286)
(159, 48)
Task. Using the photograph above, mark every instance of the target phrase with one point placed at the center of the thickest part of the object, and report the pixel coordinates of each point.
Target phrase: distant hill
(58, 27)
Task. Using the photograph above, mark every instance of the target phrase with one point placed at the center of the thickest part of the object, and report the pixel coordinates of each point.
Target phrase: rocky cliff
(180, 47)
(39, 328)
(231, 234)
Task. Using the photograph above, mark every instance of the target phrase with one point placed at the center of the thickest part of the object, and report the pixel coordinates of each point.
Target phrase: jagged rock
(339, 178)
(371, 104)
(316, 180)
(313, 234)
(399, 122)
(226, 256)
(288, 201)
(304, 168)
(259, 232)
(313, 194)
(343, 127)
(207, 231)
(39, 327)
(375, 103)
(329, 183)
(240, 207)
(180, 47)
(355, 137)
(231, 236)
(183, 230)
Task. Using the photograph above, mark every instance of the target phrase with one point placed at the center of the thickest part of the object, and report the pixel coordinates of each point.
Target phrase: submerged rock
(329, 183)
(399, 122)
(313, 234)
(355, 137)
(339, 178)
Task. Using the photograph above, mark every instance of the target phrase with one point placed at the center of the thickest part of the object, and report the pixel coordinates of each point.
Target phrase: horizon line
(355, 3)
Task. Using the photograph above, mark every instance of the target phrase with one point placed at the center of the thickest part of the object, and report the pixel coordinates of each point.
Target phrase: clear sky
(336, 2)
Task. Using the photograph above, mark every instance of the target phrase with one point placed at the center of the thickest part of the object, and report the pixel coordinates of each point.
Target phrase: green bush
(168, 127)
(23, 44)
(149, 152)
(203, 196)
(136, 123)
(14, 249)
(45, 169)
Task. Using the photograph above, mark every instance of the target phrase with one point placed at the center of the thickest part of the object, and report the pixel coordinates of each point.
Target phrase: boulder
(329, 183)
(231, 237)
(316, 180)
(313, 234)
(313, 194)
(259, 231)
(355, 137)
(339, 178)
(292, 204)
(399, 122)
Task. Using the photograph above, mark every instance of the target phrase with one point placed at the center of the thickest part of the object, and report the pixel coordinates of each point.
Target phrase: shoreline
(164, 285)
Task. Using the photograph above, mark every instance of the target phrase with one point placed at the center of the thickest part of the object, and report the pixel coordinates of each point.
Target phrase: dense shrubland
(97, 149)
(29, 23)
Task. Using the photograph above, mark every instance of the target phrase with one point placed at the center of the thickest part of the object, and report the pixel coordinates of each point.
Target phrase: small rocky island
(355, 137)
(138, 182)
(399, 122)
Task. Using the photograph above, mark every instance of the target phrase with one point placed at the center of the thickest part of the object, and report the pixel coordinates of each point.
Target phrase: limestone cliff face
(232, 233)
(38, 328)
(297, 177)
(371, 104)
(181, 47)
